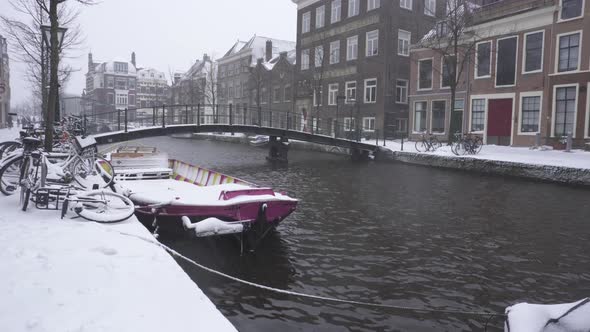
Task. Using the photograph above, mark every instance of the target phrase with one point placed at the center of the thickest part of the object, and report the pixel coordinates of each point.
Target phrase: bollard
(402, 142)
(568, 143)
(537, 140)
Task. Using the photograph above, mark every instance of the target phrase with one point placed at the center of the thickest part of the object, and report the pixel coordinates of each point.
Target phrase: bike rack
(50, 198)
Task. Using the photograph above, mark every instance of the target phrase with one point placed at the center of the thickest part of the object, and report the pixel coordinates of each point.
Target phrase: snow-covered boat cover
(526, 317)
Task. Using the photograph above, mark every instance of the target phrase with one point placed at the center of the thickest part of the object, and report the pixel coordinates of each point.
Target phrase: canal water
(394, 234)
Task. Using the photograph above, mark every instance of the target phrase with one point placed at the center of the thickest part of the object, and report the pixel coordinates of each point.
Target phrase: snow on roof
(257, 46)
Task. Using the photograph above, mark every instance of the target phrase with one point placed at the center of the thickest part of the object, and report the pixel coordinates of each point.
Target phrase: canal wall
(243, 139)
(559, 174)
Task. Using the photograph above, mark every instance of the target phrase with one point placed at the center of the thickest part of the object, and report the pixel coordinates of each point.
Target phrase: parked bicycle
(427, 143)
(467, 144)
(34, 168)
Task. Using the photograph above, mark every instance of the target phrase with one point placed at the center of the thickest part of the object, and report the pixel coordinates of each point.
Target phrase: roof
(257, 47)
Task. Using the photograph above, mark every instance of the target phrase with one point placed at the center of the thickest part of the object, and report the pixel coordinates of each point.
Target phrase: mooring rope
(311, 296)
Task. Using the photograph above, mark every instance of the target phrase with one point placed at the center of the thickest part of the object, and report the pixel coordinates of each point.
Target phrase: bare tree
(52, 9)
(454, 41)
(27, 36)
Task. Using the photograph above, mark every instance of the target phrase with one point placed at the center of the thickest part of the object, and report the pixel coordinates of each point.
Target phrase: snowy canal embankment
(71, 275)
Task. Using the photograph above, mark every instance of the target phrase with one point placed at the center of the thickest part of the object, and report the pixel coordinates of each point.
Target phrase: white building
(152, 88)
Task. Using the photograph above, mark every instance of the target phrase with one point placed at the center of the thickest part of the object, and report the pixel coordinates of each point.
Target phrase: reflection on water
(395, 234)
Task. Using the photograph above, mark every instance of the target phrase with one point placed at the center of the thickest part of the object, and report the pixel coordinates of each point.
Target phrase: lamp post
(338, 98)
(53, 40)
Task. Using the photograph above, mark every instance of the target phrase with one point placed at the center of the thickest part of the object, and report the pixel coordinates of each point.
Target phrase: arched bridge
(129, 124)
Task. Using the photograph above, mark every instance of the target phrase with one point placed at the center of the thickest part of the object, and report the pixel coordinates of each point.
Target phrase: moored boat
(259, 140)
(205, 202)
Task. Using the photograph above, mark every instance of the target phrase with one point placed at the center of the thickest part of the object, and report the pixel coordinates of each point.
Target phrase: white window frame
(306, 22)
(354, 50)
(442, 59)
(524, 41)
(559, 20)
(333, 93)
(557, 39)
(432, 75)
(305, 55)
(355, 5)
(432, 117)
(349, 124)
(554, 106)
(347, 88)
(317, 59)
(335, 52)
(489, 75)
(372, 42)
(317, 102)
(485, 114)
(369, 119)
(397, 94)
(430, 10)
(365, 90)
(335, 15)
(373, 4)
(409, 40)
(414, 131)
(516, 57)
(521, 98)
(406, 4)
(320, 17)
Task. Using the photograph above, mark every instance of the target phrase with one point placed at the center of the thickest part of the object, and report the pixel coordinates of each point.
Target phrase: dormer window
(571, 9)
(120, 67)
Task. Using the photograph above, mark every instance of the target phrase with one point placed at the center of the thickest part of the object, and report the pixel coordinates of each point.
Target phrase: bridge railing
(346, 127)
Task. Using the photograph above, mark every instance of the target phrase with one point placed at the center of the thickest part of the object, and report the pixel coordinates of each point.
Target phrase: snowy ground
(575, 159)
(70, 275)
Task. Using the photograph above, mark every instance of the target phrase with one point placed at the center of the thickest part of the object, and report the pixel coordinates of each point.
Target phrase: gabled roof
(235, 48)
(257, 47)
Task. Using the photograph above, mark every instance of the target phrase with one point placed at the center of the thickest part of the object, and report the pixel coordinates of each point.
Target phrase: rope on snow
(311, 296)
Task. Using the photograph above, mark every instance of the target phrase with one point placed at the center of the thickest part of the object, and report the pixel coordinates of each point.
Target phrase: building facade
(152, 88)
(4, 83)
(197, 85)
(526, 81)
(110, 86)
(235, 69)
(271, 88)
(353, 64)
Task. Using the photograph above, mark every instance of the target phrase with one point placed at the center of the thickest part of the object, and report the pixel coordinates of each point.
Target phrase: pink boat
(206, 202)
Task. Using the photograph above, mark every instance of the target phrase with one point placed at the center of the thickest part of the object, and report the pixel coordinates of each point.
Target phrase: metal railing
(344, 127)
(505, 8)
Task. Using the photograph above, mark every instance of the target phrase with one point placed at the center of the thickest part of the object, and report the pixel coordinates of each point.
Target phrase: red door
(499, 121)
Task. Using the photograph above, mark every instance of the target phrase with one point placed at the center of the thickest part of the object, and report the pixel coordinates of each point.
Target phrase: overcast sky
(169, 34)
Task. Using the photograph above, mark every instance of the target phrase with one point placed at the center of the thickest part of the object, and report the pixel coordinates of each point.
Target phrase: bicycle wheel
(103, 206)
(10, 176)
(461, 148)
(93, 171)
(421, 146)
(479, 143)
(435, 143)
(7, 147)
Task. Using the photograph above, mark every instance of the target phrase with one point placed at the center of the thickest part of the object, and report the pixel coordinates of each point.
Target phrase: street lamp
(46, 32)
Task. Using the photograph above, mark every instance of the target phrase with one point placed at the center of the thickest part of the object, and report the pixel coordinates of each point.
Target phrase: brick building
(197, 85)
(234, 69)
(110, 86)
(271, 86)
(527, 76)
(357, 50)
(152, 88)
(4, 82)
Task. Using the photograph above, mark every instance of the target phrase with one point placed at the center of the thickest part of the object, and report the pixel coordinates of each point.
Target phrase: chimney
(205, 57)
(133, 59)
(268, 50)
(283, 55)
(90, 63)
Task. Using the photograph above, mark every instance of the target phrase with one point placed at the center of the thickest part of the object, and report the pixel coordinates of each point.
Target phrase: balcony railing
(505, 8)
